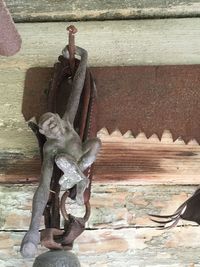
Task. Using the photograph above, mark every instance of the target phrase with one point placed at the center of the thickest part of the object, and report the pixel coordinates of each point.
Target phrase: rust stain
(150, 99)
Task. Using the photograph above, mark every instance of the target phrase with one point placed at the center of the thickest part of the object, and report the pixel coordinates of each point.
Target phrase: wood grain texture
(147, 161)
(100, 10)
(122, 160)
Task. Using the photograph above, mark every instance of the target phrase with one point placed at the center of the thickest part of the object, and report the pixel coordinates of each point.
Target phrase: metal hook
(64, 211)
(71, 47)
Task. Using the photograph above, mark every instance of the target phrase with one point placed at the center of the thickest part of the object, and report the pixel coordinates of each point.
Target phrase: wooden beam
(113, 206)
(98, 10)
(142, 42)
(122, 160)
(142, 160)
(122, 247)
(119, 231)
(111, 43)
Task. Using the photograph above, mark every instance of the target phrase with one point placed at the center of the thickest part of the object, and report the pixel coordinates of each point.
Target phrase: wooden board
(124, 247)
(123, 159)
(101, 10)
(142, 160)
(119, 231)
(113, 206)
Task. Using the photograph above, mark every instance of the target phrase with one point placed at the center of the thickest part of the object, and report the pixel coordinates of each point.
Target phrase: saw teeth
(128, 134)
(179, 141)
(141, 138)
(166, 137)
(116, 133)
(193, 142)
(103, 132)
(154, 138)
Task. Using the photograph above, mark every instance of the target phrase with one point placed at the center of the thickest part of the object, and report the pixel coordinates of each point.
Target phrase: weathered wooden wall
(100, 10)
(119, 232)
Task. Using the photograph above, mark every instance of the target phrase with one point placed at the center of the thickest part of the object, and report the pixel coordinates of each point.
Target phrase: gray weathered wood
(136, 243)
(93, 10)
(119, 231)
(113, 206)
(123, 247)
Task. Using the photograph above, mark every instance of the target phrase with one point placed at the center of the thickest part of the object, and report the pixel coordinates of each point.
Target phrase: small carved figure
(63, 147)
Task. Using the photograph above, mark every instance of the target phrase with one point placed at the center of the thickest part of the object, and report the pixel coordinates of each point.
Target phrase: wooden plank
(122, 160)
(123, 247)
(113, 206)
(101, 10)
(144, 160)
(115, 43)
(119, 232)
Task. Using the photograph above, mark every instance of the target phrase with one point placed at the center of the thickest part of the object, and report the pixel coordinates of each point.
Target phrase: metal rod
(71, 47)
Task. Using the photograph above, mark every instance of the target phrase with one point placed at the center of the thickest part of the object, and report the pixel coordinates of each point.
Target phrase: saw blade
(150, 100)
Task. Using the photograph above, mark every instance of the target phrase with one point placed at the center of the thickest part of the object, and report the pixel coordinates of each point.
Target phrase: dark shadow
(36, 88)
(36, 93)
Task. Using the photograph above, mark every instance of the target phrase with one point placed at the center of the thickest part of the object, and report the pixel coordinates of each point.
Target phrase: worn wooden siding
(113, 206)
(122, 160)
(124, 247)
(92, 10)
(119, 232)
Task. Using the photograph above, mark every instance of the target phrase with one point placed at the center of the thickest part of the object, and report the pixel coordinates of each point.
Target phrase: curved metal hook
(64, 211)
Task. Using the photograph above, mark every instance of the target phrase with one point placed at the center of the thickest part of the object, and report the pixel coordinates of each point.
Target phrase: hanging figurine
(66, 155)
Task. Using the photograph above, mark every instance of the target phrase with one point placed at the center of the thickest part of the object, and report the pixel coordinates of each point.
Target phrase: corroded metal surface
(149, 99)
(138, 98)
